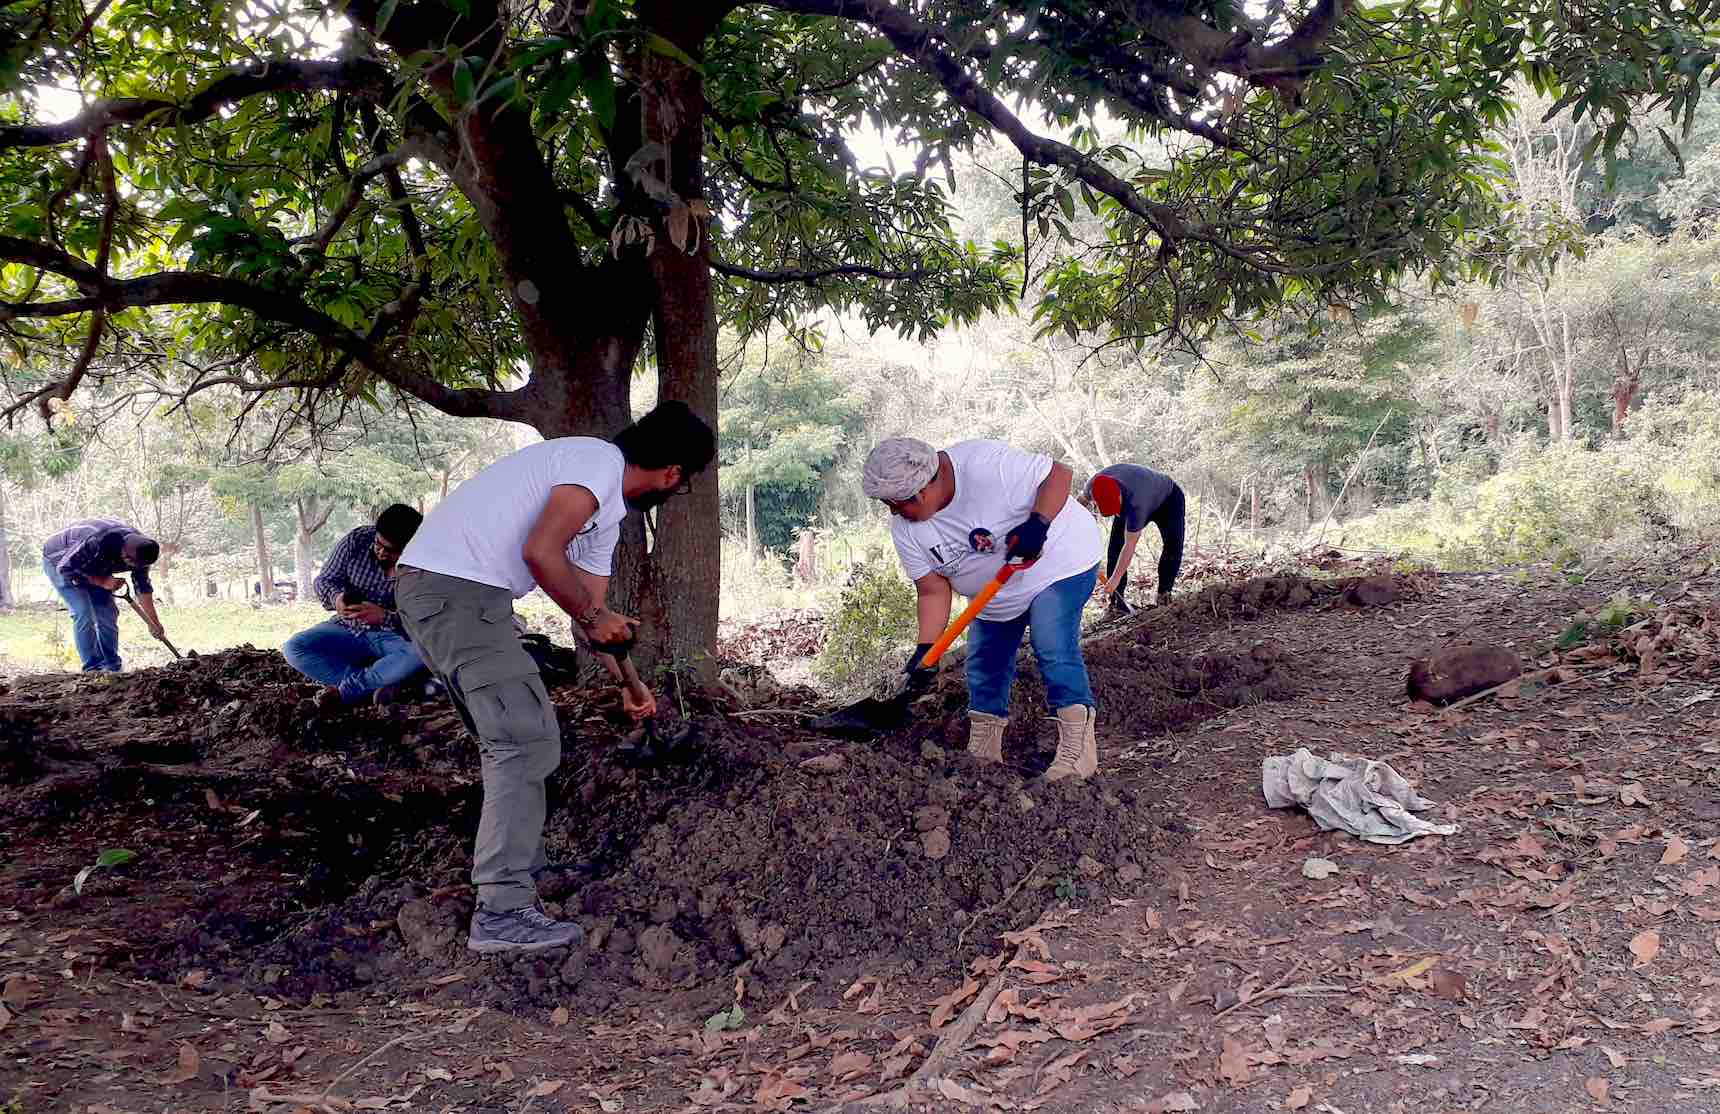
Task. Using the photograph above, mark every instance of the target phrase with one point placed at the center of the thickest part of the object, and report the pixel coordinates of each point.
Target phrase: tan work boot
(985, 736)
(1077, 749)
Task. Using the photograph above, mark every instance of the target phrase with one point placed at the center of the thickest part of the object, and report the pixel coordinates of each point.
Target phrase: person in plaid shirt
(361, 654)
(83, 563)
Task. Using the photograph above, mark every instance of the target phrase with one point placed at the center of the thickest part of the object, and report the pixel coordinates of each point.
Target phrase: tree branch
(356, 182)
(195, 288)
(278, 75)
(734, 270)
(920, 42)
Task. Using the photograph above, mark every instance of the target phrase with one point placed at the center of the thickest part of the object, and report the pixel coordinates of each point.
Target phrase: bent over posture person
(545, 517)
(362, 653)
(1132, 495)
(957, 514)
(84, 562)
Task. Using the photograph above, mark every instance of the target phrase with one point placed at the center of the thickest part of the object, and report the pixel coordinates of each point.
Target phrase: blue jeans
(95, 622)
(356, 663)
(1054, 617)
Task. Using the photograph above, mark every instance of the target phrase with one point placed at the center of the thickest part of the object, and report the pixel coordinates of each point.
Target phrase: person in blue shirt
(84, 563)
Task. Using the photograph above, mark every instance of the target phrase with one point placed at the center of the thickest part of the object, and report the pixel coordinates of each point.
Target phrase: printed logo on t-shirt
(980, 540)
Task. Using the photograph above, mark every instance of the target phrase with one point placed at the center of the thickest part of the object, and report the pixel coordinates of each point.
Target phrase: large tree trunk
(680, 576)
(265, 570)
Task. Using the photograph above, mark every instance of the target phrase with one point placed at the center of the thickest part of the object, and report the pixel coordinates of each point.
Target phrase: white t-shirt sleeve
(910, 552)
(595, 466)
(595, 552)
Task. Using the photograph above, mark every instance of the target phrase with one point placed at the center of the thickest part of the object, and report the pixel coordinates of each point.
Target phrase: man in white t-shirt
(545, 517)
(957, 514)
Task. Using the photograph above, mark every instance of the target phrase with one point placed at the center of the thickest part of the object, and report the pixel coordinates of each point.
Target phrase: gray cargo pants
(465, 632)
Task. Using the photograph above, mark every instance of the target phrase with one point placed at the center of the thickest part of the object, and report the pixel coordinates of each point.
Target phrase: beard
(646, 500)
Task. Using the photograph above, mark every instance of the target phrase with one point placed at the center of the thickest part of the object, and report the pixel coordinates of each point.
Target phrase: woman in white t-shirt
(957, 514)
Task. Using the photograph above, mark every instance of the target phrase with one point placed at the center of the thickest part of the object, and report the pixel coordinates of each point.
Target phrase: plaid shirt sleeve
(81, 552)
(336, 574)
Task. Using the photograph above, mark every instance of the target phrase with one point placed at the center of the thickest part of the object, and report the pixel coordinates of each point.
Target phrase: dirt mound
(304, 851)
(764, 856)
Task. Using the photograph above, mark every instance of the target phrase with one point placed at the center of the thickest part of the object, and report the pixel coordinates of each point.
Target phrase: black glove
(919, 678)
(1027, 540)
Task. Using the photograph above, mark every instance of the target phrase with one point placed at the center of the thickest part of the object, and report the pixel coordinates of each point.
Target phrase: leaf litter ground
(783, 921)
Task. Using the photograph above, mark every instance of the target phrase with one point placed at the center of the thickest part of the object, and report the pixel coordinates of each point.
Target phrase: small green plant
(1614, 615)
(1617, 612)
(112, 857)
(732, 1018)
(1066, 889)
(876, 616)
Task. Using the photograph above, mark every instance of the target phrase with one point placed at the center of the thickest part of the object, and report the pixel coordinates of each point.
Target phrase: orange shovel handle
(974, 607)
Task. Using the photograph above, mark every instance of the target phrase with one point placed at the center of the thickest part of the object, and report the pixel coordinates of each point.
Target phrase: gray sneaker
(529, 929)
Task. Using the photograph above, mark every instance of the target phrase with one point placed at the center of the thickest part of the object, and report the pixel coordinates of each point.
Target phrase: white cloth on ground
(1368, 799)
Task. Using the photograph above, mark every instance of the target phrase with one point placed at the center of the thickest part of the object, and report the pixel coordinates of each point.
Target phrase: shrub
(864, 636)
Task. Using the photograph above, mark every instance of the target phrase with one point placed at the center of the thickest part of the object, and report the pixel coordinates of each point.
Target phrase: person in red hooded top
(1132, 495)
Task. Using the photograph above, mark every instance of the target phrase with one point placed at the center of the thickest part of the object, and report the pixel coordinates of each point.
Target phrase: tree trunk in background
(302, 560)
(265, 570)
(163, 569)
(752, 524)
(1254, 505)
(1624, 388)
(6, 598)
(1314, 477)
(806, 568)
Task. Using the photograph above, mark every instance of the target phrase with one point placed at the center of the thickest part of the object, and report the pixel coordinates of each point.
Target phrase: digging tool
(888, 713)
(124, 593)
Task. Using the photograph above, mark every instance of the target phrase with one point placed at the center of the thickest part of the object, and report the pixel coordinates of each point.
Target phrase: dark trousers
(1170, 518)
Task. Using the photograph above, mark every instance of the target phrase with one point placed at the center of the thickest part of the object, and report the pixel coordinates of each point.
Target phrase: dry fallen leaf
(276, 1033)
(1299, 1098)
(1233, 1063)
(1658, 1026)
(559, 1016)
(1614, 1057)
(1632, 794)
(777, 1091)
(1675, 851)
(849, 1064)
(1597, 1088)
(955, 1092)
(5, 1017)
(1448, 984)
(545, 1089)
(189, 1062)
(1645, 946)
(16, 991)
(945, 1008)
(1416, 970)
(1177, 1102)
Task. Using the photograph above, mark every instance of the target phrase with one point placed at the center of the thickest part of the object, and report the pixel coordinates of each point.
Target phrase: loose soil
(779, 920)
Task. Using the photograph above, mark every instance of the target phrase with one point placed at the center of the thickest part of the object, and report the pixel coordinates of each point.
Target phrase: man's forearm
(562, 583)
(933, 608)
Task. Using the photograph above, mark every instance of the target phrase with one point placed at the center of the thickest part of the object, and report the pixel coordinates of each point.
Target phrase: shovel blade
(866, 717)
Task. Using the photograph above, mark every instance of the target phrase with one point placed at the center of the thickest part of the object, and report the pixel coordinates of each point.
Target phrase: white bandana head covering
(898, 468)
